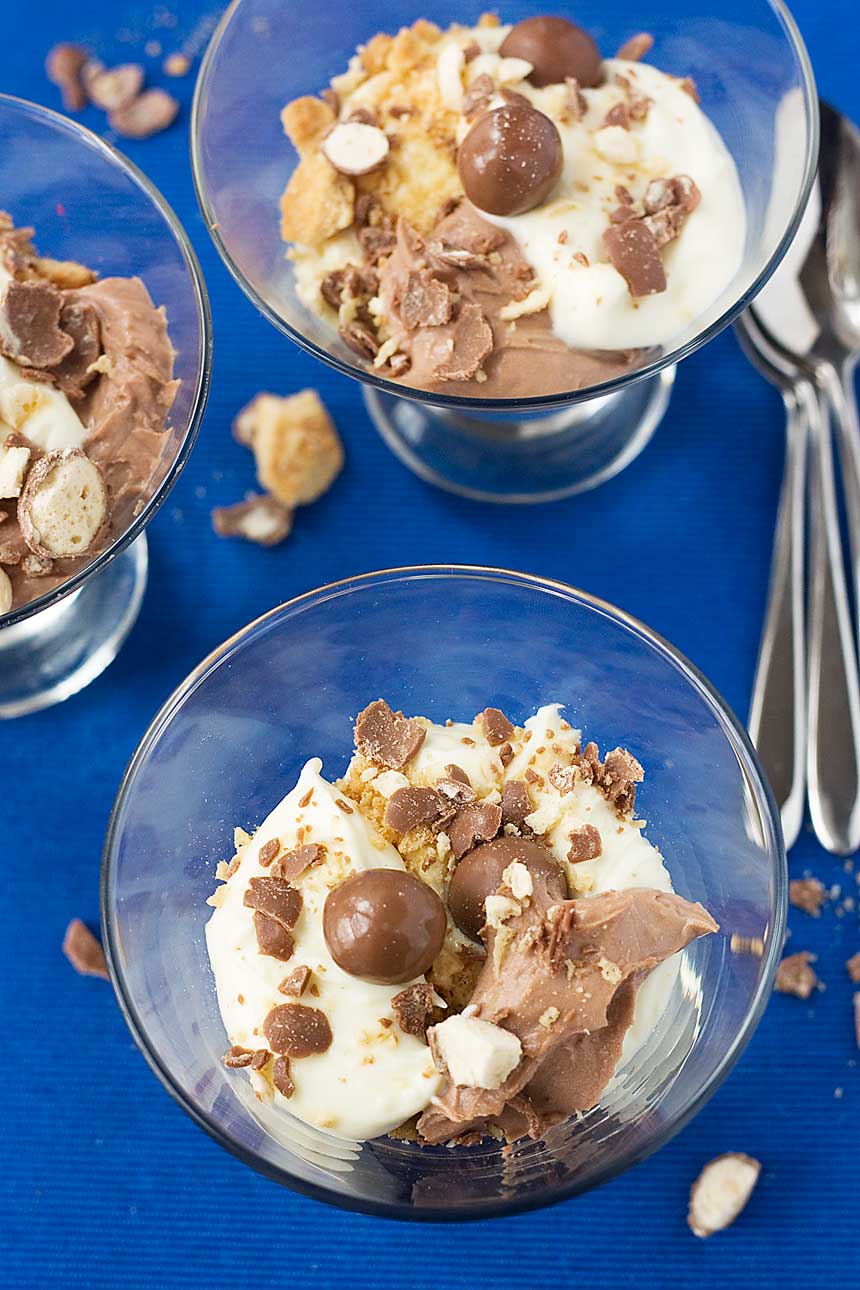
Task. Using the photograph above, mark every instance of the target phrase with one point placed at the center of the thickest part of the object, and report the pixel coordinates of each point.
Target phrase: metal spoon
(777, 721)
(811, 313)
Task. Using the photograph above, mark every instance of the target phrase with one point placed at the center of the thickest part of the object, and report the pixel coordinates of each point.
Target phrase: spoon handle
(833, 752)
(838, 387)
(777, 722)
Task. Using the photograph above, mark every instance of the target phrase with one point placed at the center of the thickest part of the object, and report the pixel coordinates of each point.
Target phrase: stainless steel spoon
(777, 721)
(811, 313)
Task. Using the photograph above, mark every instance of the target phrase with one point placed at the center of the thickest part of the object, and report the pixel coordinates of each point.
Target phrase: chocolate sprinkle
(496, 727)
(387, 738)
(478, 822)
(294, 1030)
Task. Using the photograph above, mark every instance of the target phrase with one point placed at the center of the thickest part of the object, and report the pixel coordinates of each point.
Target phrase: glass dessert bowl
(287, 688)
(527, 370)
(117, 430)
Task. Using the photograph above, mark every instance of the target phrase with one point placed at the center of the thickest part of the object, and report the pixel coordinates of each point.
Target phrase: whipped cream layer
(373, 1076)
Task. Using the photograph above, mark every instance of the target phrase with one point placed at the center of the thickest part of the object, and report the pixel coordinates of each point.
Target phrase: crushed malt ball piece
(64, 66)
(148, 114)
(356, 147)
(64, 273)
(317, 202)
(84, 951)
(14, 461)
(63, 504)
(796, 976)
(807, 894)
(413, 1008)
(113, 88)
(263, 520)
(296, 447)
(721, 1192)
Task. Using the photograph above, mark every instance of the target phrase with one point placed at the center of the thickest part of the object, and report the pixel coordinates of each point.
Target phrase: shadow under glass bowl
(89, 203)
(756, 85)
(443, 641)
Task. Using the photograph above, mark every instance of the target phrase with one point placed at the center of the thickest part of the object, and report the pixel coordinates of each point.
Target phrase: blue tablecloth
(104, 1182)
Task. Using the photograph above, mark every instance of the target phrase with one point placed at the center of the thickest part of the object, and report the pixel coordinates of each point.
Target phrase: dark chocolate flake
(294, 1030)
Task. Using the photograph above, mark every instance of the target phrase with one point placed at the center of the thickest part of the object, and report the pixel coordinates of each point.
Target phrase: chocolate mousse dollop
(487, 271)
(510, 160)
(384, 925)
(556, 49)
(568, 971)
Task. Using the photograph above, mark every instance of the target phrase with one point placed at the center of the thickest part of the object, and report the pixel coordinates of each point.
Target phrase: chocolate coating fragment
(273, 939)
(411, 806)
(281, 1077)
(478, 822)
(516, 803)
(585, 844)
(385, 737)
(496, 727)
(296, 983)
(272, 896)
(295, 1030)
(295, 862)
(30, 331)
(72, 374)
(383, 925)
(413, 1008)
(632, 249)
(479, 874)
(556, 49)
(510, 160)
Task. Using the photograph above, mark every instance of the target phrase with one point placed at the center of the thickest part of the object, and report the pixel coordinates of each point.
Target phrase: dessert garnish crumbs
(721, 1192)
(807, 894)
(795, 975)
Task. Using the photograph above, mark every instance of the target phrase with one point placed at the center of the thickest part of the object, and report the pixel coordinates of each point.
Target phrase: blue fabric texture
(104, 1182)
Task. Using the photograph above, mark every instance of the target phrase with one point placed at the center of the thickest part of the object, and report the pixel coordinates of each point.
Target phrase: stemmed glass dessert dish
(232, 740)
(105, 372)
(510, 234)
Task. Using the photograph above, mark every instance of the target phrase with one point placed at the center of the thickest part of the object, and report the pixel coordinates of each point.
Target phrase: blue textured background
(103, 1181)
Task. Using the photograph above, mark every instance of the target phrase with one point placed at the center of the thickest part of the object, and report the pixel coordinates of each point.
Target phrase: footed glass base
(505, 457)
(49, 657)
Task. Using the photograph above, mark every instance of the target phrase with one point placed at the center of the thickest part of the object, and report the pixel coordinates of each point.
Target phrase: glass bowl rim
(83, 135)
(533, 403)
(735, 734)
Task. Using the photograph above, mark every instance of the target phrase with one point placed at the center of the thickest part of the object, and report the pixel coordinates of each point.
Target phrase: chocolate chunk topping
(442, 256)
(296, 983)
(510, 160)
(632, 249)
(272, 896)
(425, 301)
(457, 772)
(796, 976)
(413, 1008)
(668, 203)
(268, 852)
(618, 115)
(387, 738)
(295, 862)
(148, 114)
(620, 775)
(496, 727)
(259, 1059)
(563, 778)
(576, 106)
(556, 48)
(236, 1057)
(360, 339)
(30, 331)
(273, 939)
(585, 844)
(84, 951)
(478, 822)
(294, 1030)
(506, 754)
(636, 47)
(281, 1077)
(478, 95)
(455, 792)
(471, 342)
(384, 925)
(411, 806)
(72, 374)
(516, 803)
(376, 243)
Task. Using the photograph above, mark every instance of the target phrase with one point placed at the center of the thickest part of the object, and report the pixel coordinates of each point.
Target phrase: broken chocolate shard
(387, 738)
(273, 939)
(30, 332)
(413, 1008)
(475, 823)
(273, 896)
(409, 807)
(496, 726)
(633, 251)
(585, 844)
(295, 1030)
